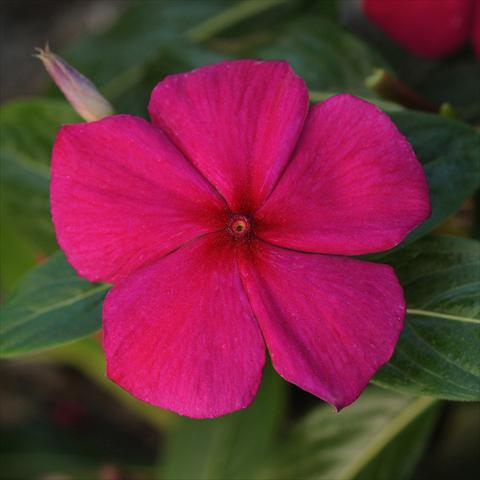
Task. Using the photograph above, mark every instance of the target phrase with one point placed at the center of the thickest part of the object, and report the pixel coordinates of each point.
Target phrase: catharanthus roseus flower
(222, 226)
(429, 28)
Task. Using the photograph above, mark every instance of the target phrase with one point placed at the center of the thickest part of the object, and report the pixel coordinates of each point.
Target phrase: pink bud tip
(78, 89)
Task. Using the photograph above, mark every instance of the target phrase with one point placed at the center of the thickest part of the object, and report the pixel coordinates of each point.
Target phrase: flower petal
(354, 185)
(329, 322)
(237, 121)
(429, 28)
(180, 334)
(122, 194)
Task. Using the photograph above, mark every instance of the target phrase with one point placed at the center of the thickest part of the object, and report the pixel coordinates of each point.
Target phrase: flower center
(239, 226)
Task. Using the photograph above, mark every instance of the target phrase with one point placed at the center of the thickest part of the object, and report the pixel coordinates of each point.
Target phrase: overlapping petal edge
(222, 225)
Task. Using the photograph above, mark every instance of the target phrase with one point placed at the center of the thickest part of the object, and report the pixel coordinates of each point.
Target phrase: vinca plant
(251, 226)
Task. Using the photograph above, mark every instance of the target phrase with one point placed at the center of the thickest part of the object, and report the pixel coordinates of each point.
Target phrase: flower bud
(78, 89)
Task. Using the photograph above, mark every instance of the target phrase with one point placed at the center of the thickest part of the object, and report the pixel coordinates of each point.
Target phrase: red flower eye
(239, 226)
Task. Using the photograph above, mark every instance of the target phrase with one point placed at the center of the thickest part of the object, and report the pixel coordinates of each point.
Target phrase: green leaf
(438, 351)
(449, 151)
(231, 17)
(154, 39)
(453, 79)
(17, 255)
(51, 306)
(385, 105)
(147, 30)
(28, 131)
(147, 42)
(130, 92)
(231, 446)
(380, 436)
(138, 35)
(327, 57)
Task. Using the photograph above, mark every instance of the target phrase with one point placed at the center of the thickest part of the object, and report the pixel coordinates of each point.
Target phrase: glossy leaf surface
(28, 131)
(51, 306)
(325, 56)
(438, 351)
(449, 151)
(381, 436)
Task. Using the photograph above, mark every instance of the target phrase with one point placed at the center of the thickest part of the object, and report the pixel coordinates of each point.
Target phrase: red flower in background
(429, 28)
(222, 225)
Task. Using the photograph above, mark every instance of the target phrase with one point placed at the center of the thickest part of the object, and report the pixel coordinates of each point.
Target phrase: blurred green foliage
(383, 435)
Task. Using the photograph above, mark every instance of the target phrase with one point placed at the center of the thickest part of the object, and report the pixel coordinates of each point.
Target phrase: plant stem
(239, 12)
(391, 88)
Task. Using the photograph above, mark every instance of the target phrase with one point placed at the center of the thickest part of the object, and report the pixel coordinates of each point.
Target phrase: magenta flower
(222, 226)
(428, 28)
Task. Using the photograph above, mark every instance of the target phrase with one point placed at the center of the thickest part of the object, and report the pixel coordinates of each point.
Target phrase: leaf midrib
(53, 307)
(386, 435)
(70, 301)
(443, 316)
